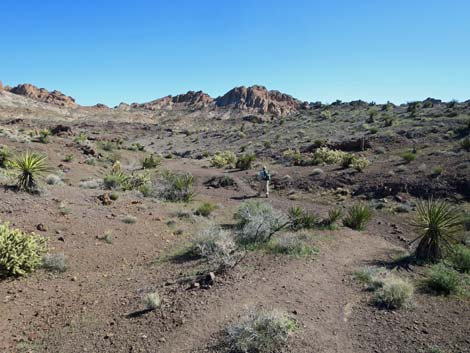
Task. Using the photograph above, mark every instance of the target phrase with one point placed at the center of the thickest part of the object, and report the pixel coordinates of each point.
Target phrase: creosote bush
(20, 253)
(460, 258)
(261, 332)
(358, 216)
(257, 222)
(442, 279)
(408, 157)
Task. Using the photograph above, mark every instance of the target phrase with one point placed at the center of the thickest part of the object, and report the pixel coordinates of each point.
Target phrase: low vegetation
(224, 159)
(442, 279)
(358, 216)
(436, 222)
(20, 253)
(177, 187)
(205, 209)
(261, 332)
(394, 293)
(29, 167)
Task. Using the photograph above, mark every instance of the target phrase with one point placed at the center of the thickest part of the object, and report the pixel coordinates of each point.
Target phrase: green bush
(394, 293)
(358, 216)
(261, 332)
(245, 162)
(408, 157)
(224, 159)
(44, 136)
(465, 144)
(300, 218)
(328, 156)
(293, 245)
(460, 258)
(119, 180)
(5, 155)
(151, 162)
(372, 277)
(29, 167)
(20, 253)
(68, 157)
(178, 187)
(205, 209)
(442, 279)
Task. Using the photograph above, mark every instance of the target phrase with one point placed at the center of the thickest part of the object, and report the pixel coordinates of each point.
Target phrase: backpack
(265, 175)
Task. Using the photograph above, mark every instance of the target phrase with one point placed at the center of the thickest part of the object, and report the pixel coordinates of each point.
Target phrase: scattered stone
(105, 199)
(41, 227)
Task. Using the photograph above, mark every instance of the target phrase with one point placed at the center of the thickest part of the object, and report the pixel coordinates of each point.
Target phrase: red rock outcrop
(43, 95)
(259, 99)
(191, 99)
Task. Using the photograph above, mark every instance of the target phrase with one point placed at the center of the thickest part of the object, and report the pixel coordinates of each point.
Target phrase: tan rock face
(1, 86)
(43, 95)
(191, 99)
(260, 99)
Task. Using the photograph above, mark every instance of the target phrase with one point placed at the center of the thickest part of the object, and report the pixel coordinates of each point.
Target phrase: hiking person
(265, 178)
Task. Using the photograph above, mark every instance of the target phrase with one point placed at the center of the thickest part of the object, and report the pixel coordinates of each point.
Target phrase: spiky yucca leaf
(29, 166)
(436, 223)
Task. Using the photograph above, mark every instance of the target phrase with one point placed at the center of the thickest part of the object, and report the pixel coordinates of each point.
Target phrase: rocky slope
(43, 95)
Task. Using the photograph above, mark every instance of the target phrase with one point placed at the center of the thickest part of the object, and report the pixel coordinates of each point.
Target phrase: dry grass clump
(54, 262)
(394, 293)
(260, 332)
(152, 301)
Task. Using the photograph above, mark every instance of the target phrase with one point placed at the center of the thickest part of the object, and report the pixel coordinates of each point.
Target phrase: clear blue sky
(134, 51)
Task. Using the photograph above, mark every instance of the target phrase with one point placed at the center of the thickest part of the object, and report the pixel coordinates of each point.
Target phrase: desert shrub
(205, 209)
(257, 222)
(224, 159)
(44, 136)
(54, 262)
(465, 144)
(460, 258)
(5, 155)
(317, 171)
(178, 187)
(152, 301)
(292, 244)
(408, 157)
(69, 157)
(151, 162)
(293, 156)
(81, 138)
(245, 162)
(358, 216)
(328, 156)
(29, 167)
(20, 253)
(394, 293)
(217, 246)
(300, 218)
(129, 219)
(108, 146)
(136, 146)
(90, 184)
(260, 332)
(436, 222)
(442, 279)
(53, 179)
(115, 180)
(359, 163)
(436, 171)
(372, 277)
(119, 180)
(334, 214)
(350, 160)
(113, 195)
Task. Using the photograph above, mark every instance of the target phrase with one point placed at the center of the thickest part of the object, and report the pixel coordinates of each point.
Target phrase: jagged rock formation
(191, 99)
(43, 95)
(259, 99)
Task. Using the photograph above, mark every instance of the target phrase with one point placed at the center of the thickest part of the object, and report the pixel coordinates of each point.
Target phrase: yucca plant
(29, 167)
(436, 223)
(300, 218)
(358, 216)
